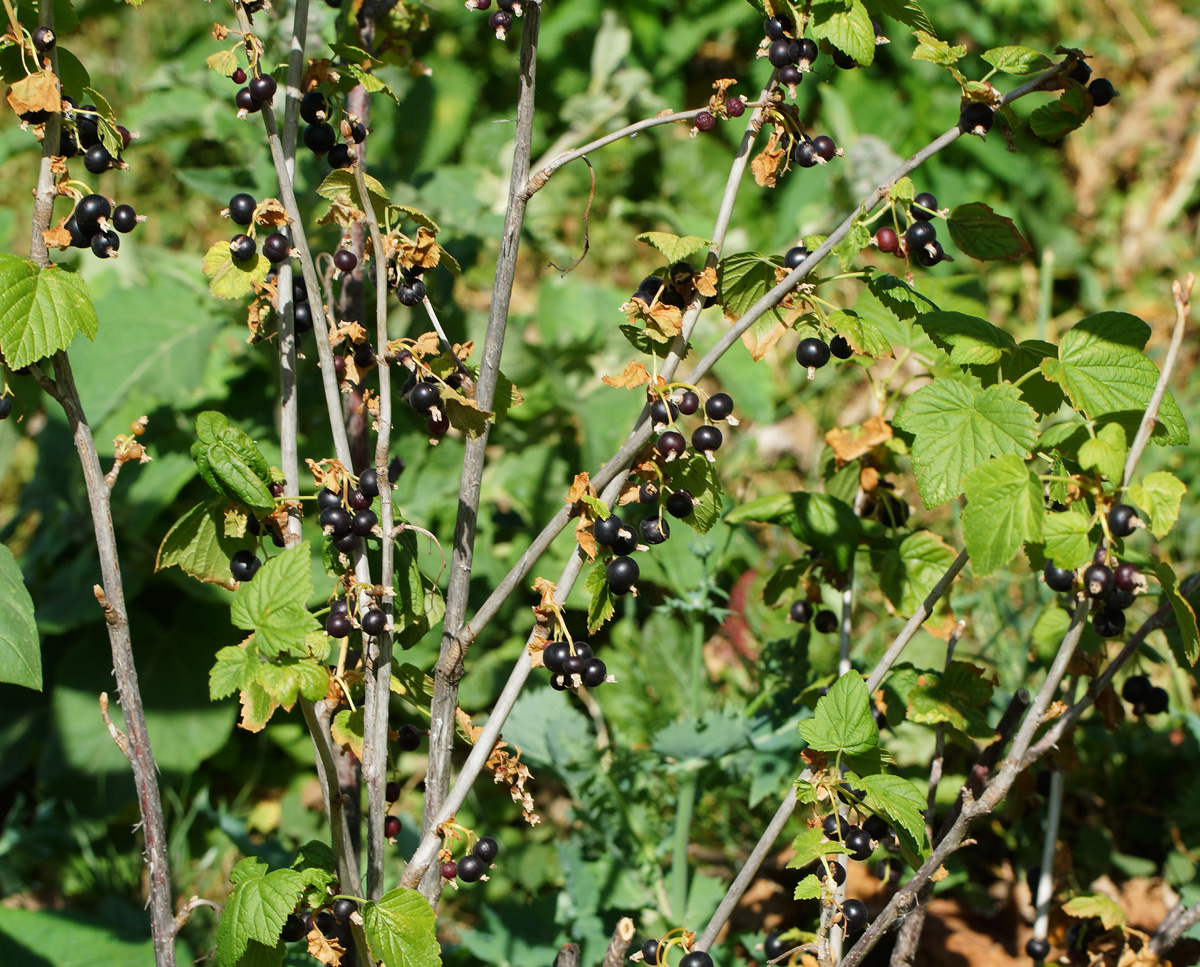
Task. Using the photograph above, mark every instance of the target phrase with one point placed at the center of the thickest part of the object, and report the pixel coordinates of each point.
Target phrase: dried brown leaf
(271, 212)
(37, 92)
(580, 487)
(585, 538)
(851, 444)
(545, 590)
(635, 375)
(58, 238)
(706, 281)
(326, 951)
(423, 251)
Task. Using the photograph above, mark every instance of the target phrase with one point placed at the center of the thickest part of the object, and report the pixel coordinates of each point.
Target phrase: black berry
(328, 498)
(1121, 520)
(774, 947)
(840, 347)
(826, 622)
(337, 519)
(805, 154)
(808, 50)
(704, 121)
(104, 243)
(554, 654)
(1097, 580)
(391, 826)
(391, 791)
(241, 208)
(1108, 622)
(812, 353)
(1136, 690)
(773, 28)
(346, 543)
(364, 522)
(779, 54)
(877, 828)
(795, 257)
(345, 260)
(339, 156)
(294, 929)
(1081, 72)
(471, 867)
(790, 75)
(1038, 948)
(276, 247)
(6, 406)
(654, 530)
(680, 504)
(825, 146)
(302, 316)
(707, 438)
(238, 76)
(408, 737)
(374, 621)
(648, 492)
(1102, 91)
(697, 958)
(671, 443)
(975, 118)
(625, 542)
(801, 612)
(342, 909)
(605, 531)
(97, 159)
(594, 672)
(245, 101)
(919, 235)
(312, 107)
(263, 88)
(319, 137)
(930, 255)
(719, 406)
(244, 565)
(855, 914)
(500, 20)
(843, 60)
(1058, 578)
(368, 484)
(689, 403)
(835, 826)
(622, 573)
(1157, 701)
(124, 218)
(859, 841)
(43, 39)
(242, 248)
(924, 200)
(1125, 577)
(424, 397)
(650, 952)
(338, 625)
(663, 411)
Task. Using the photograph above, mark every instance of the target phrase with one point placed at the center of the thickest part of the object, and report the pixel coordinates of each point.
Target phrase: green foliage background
(703, 698)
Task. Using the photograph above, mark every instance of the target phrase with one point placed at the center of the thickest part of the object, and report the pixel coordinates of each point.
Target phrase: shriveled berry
(501, 20)
(735, 107)
(704, 121)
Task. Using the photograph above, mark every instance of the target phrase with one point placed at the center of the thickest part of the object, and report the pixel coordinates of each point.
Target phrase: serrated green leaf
(256, 910)
(231, 463)
(712, 736)
(1051, 121)
(826, 523)
(698, 476)
(1044, 396)
(1105, 452)
(809, 888)
(1090, 905)
(643, 342)
(908, 571)
(418, 216)
(41, 310)
(811, 845)
(602, 603)
(236, 668)
(902, 804)
(1108, 378)
(257, 708)
(1017, 60)
(370, 82)
(984, 235)
(400, 930)
(854, 241)
(782, 583)
(674, 248)
(908, 12)
(1159, 496)
(898, 297)
(1185, 616)
(957, 428)
(1068, 543)
(1004, 510)
(742, 280)
(20, 649)
(937, 51)
(847, 27)
(224, 62)
(273, 605)
(347, 730)
(229, 279)
(842, 720)
(903, 192)
(957, 696)
(291, 678)
(968, 339)
(352, 54)
(197, 544)
(340, 186)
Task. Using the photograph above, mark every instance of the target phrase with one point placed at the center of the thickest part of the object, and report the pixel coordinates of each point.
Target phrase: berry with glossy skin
(424, 397)
(244, 565)
(671, 443)
(471, 867)
(773, 28)
(339, 156)
(78, 238)
(606, 531)
(263, 88)
(1058, 578)
(245, 101)
(648, 493)
(931, 255)
(594, 672)
(554, 654)
(1119, 600)
(363, 522)
(622, 574)
(276, 247)
(1125, 577)
(124, 218)
(704, 121)
(238, 76)
(650, 952)
(625, 542)
(337, 519)
(832, 824)
(294, 928)
(6, 406)
(68, 147)
(1157, 701)
(805, 154)
(337, 625)
(825, 146)
(975, 118)
(774, 947)
(373, 621)
(342, 909)
(887, 240)
(812, 353)
(840, 347)
(1102, 91)
(718, 407)
(241, 208)
(779, 54)
(358, 132)
(573, 664)
(801, 612)
(344, 260)
(97, 160)
(1121, 520)
(877, 828)
(654, 530)
(680, 504)
(795, 257)
(325, 923)
(1038, 948)
(790, 75)
(242, 247)
(449, 870)
(319, 137)
(826, 622)
(697, 958)
(327, 498)
(707, 438)
(735, 107)
(409, 737)
(1097, 580)
(808, 51)
(43, 39)
(346, 543)
(689, 403)
(922, 201)
(855, 913)
(919, 235)
(312, 106)
(391, 791)
(407, 295)
(663, 411)
(105, 243)
(849, 795)
(487, 849)
(391, 827)
(858, 840)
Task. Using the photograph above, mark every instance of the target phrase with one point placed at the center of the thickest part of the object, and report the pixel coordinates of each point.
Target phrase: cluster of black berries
(472, 866)
(333, 922)
(612, 532)
(697, 958)
(807, 152)
(251, 98)
(319, 136)
(573, 663)
(425, 396)
(802, 612)
(1145, 698)
(735, 107)
(920, 239)
(93, 221)
(346, 523)
(85, 137)
(242, 247)
(861, 841)
(1111, 589)
(675, 291)
(1100, 89)
(790, 55)
(501, 19)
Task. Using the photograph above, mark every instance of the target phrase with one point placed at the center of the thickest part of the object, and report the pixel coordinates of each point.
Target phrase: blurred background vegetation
(1112, 213)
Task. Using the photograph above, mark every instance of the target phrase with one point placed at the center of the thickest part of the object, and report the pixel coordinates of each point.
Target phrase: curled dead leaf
(545, 590)
(635, 375)
(851, 444)
(326, 951)
(585, 538)
(580, 487)
(37, 92)
(271, 212)
(58, 238)
(706, 281)
(423, 251)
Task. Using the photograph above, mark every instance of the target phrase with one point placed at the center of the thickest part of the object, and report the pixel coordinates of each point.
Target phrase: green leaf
(224, 62)
(197, 544)
(957, 427)
(256, 909)
(1044, 396)
(902, 804)
(1068, 543)
(957, 696)
(1017, 60)
(351, 54)
(1050, 627)
(340, 185)
(908, 572)
(400, 930)
(236, 668)
(847, 27)
(230, 279)
(1158, 496)
(968, 339)
(1089, 905)
(1004, 510)
(418, 604)
(418, 216)
(370, 83)
(809, 888)
(347, 730)
(862, 334)
(273, 605)
(937, 51)
(602, 603)
(854, 241)
(643, 342)
(984, 235)
(20, 649)
(811, 845)
(898, 297)
(41, 310)
(1051, 121)
(231, 463)
(908, 12)
(1185, 616)
(698, 476)
(674, 248)
(742, 280)
(1105, 452)
(1108, 378)
(826, 523)
(70, 940)
(842, 720)
(291, 678)
(692, 741)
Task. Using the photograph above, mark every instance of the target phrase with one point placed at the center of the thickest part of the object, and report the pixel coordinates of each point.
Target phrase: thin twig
(614, 956)
(1181, 921)
(316, 716)
(186, 911)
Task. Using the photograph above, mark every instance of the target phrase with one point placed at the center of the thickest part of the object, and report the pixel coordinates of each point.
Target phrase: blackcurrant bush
(364, 522)
(1136, 689)
(344, 260)
(779, 54)
(804, 153)
(840, 347)
(244, 565)
(795, 257)
(921, 202)
(104, 243)
(339, 156)
(663, 411)
(605, 531)
(312, 107)
(43, 39)
(887, 239)
(975, 118)
(680, 504)
(245, 101)
(594, 672)
(801, 612)
(449, 870)
(707, 438)
(650, 952)
(1038, 948)
(1097, 580)
(808, 50)
(500, 20)
(487, 849)
(276, 247)
(1157, 701)
(704, 121)
(812, 353)
(424, 397)
(689, 403)
(263, 88)
(391, 826)
(124, 218)
(408, 737)
(1102, 91)
(319, 137)
(654, 530)
(671, 443)
(338, 625)
(97, 160)
(625, 542)
(919, 235)
(790, 75)
(855, 914)
(859, 841)
(294, 929)
(735, 107)
(1121, 520)
(697, 958)
(472, 867)
(622, 574)
(1058, 578)
(825, 146)
(826, 622)
(391, 791)
(719, 406)
(832, 824)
